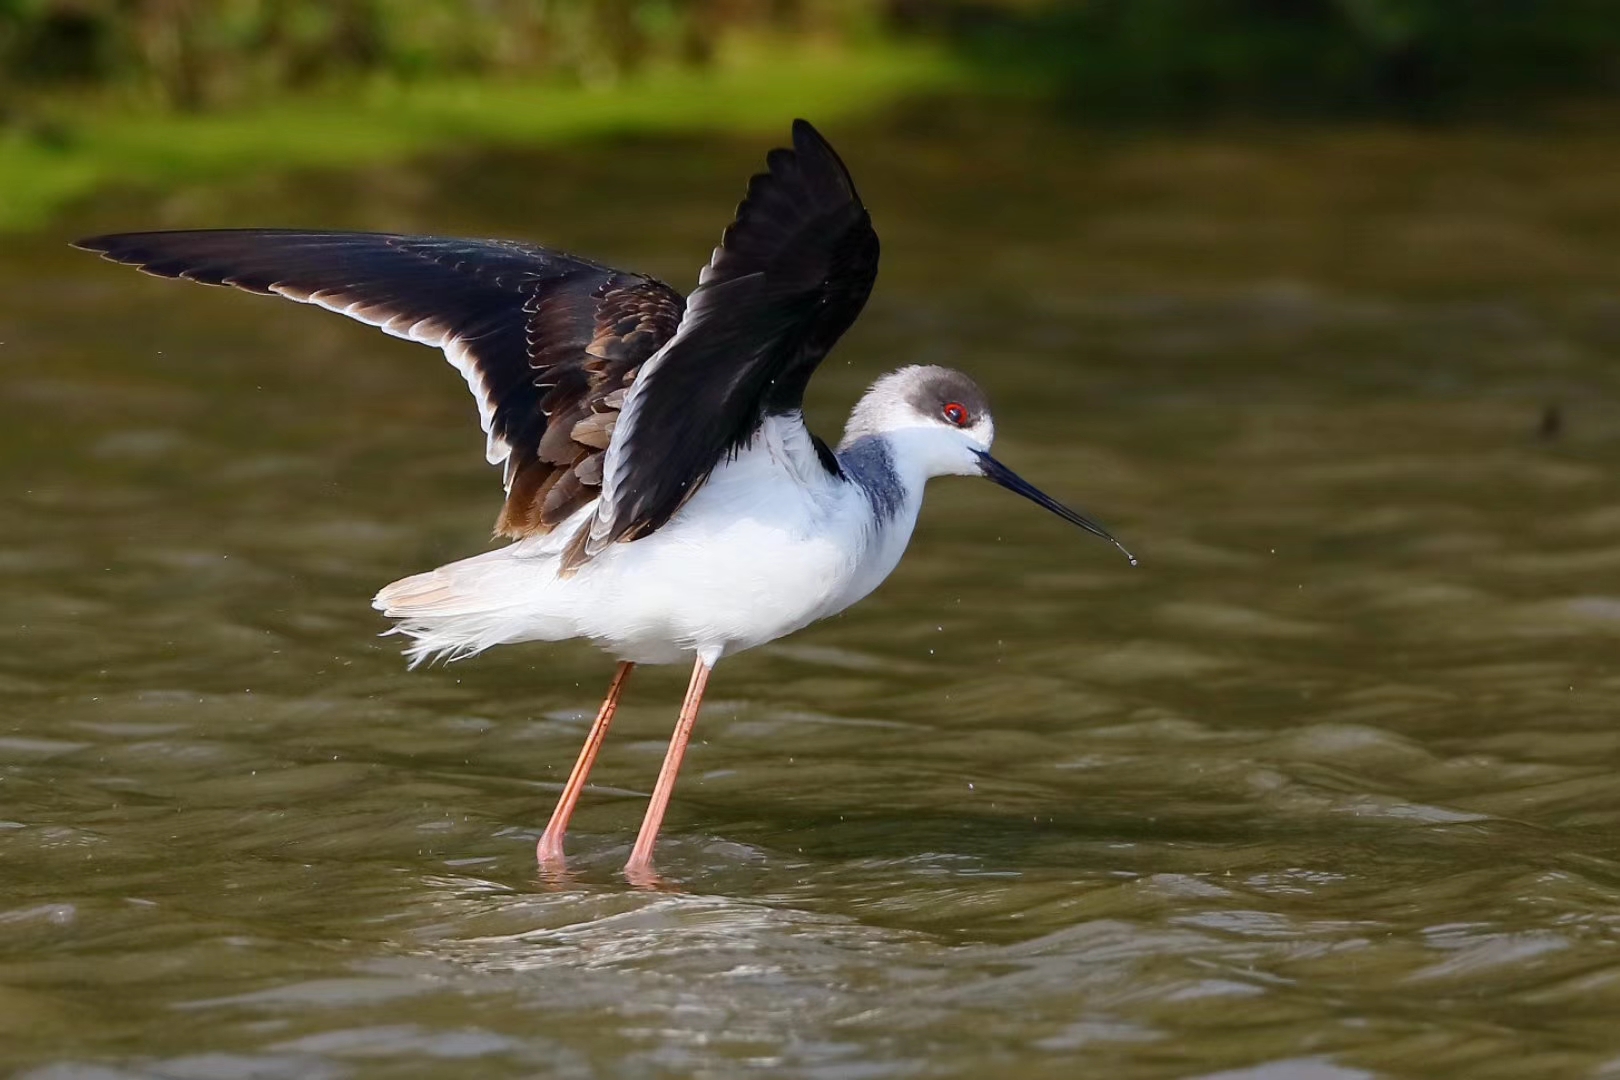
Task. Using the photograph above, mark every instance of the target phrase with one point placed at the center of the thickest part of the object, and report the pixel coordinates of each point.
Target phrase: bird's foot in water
(640, 873)
(549, 851)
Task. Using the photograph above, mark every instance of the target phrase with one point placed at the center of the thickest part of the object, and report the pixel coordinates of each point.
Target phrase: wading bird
(664, 498)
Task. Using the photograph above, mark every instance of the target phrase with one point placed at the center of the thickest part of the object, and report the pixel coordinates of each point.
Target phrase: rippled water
(1326, 789)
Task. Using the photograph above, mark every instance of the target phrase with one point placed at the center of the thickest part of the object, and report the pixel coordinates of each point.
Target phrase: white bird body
(664, 497)
(769, 544)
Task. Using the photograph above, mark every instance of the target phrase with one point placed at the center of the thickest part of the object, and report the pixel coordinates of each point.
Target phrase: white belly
(759, 552)
(711, 590)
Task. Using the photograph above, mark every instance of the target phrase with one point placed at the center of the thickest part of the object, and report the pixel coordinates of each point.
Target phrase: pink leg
(640, 865)
(550, 848)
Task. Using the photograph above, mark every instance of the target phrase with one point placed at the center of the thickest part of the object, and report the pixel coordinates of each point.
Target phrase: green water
(1328, 788)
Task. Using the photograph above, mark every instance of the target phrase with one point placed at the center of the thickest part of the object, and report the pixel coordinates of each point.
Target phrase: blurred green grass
(85, 145)
(103, 94)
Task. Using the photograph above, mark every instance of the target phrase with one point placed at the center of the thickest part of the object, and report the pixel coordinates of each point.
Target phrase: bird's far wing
(547, 342)
(791, 274)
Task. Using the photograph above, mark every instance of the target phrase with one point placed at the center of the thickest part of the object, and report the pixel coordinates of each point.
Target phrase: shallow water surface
(1326, 788)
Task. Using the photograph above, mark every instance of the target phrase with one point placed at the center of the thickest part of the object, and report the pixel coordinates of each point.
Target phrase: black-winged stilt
(664, 498)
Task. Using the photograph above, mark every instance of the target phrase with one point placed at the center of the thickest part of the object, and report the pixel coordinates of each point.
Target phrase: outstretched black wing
(547, 342)
(551, 344)
(791, 274)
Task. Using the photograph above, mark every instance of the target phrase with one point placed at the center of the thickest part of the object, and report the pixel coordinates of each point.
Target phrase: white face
(947, 444)
(936, 420)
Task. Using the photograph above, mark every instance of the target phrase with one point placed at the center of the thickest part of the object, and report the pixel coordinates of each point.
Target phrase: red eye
(956, 413)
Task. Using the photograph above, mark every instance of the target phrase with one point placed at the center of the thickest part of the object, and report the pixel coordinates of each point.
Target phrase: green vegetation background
(95, 93)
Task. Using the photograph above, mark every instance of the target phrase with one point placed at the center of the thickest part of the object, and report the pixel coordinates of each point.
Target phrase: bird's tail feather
(461, 609)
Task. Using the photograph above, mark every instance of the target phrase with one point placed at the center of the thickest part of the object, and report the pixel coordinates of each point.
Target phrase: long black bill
(995, 471)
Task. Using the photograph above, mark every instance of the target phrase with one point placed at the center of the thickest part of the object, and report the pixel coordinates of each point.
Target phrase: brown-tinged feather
(565, 496)
(596, 430)
(589, 471)
(585, 356)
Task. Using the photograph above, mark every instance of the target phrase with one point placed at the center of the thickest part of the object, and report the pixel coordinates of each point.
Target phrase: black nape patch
(828, 459)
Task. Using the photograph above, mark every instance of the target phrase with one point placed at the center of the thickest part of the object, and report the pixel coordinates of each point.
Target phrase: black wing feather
(536, 332)
(791, 274)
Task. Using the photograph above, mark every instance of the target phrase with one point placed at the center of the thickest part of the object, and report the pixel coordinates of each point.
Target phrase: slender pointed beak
(998, 473)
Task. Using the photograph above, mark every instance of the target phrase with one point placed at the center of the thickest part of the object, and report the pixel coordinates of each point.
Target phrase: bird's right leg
(550, 848)
(639, 869)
